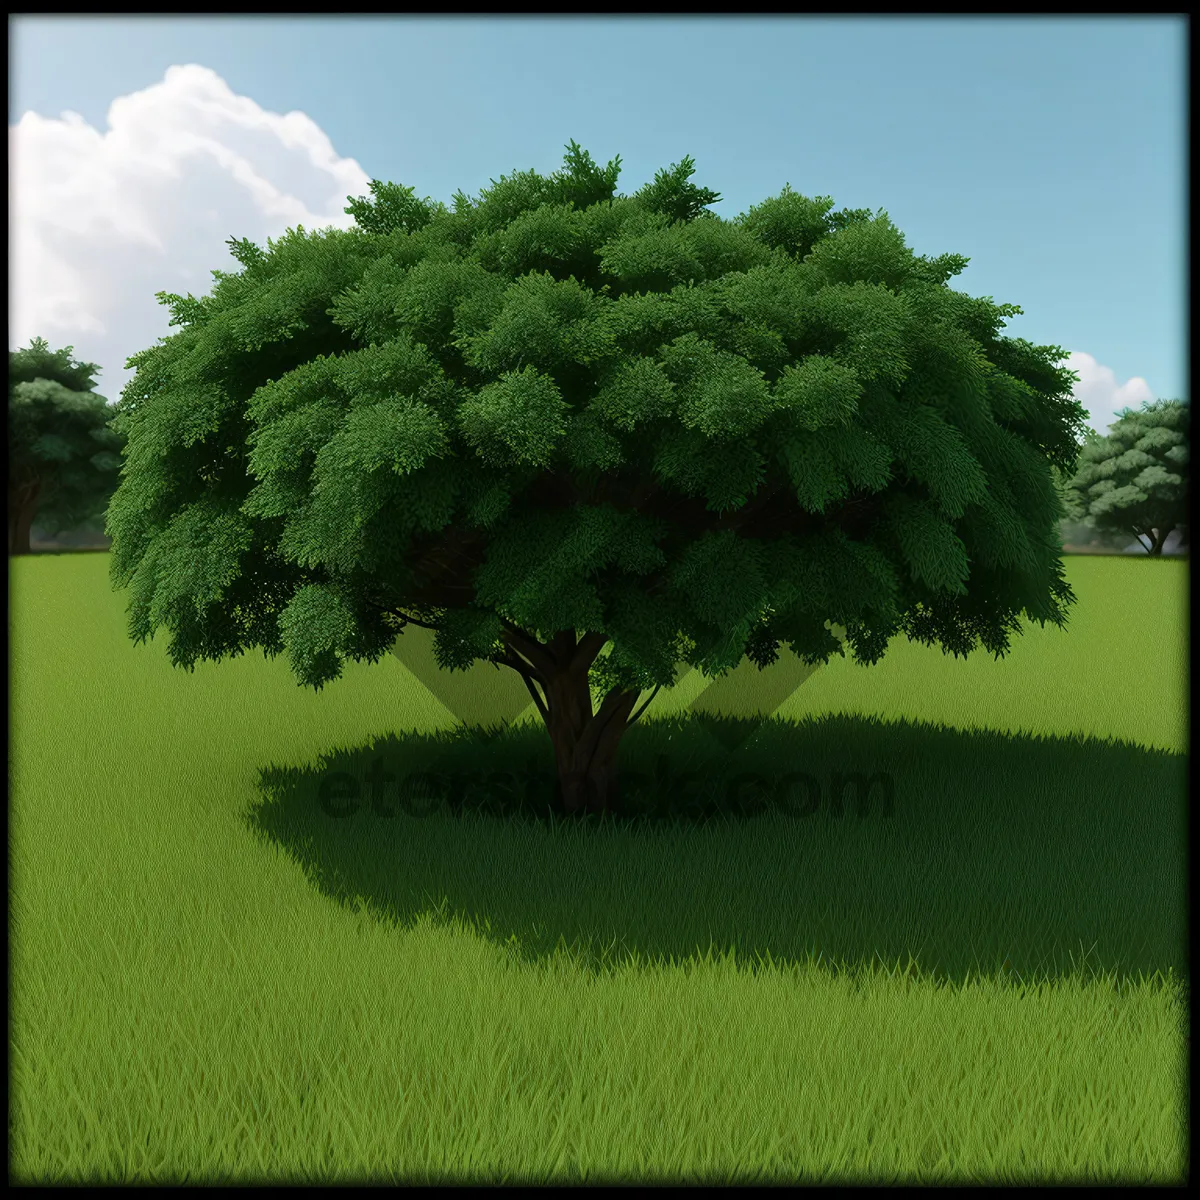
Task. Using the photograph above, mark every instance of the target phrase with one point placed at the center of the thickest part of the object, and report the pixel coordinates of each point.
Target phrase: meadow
(984, 979)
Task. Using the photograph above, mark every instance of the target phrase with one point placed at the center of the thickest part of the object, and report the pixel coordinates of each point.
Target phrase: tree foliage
(558, 420)
(63, 458)
(1135, 480)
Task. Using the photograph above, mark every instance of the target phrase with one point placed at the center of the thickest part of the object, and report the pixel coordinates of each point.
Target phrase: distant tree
(1135, 480)
(558, 422)
(1075, 533)
(63, 458)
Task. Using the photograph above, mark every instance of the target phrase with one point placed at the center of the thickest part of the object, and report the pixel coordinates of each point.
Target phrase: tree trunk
(585, 743)
(1157, 540)
(22, 508)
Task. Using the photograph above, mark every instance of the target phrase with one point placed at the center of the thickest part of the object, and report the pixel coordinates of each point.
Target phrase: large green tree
(63, 457)
(1135, 479)
(557, 422)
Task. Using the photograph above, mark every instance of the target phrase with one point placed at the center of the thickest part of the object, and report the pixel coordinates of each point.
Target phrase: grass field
(214, 980)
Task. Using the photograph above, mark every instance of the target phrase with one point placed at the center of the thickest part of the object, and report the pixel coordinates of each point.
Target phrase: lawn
(214, 980)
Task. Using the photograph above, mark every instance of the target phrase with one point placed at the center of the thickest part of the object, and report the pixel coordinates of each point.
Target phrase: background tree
(557, 422)
(1073, 529)
(1135, 480)
(63, 458)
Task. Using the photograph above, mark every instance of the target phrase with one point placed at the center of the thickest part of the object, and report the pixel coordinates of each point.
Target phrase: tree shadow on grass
(846, 839)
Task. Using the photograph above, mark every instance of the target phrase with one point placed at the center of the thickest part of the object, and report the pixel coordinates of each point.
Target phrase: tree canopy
(1135, 480)
(63, 458)
(558, 421)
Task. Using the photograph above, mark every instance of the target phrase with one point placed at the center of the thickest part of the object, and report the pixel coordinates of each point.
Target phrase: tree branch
(645, 706)
(527, 677)
(542, 658)
(589, 647)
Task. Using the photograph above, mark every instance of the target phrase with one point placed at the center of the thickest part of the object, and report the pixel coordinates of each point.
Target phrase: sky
(1050, 152)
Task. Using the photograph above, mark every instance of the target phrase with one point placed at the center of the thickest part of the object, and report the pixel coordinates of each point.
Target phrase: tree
(63, 458)
(1072, 528)
(589, 437)
(1135, 480)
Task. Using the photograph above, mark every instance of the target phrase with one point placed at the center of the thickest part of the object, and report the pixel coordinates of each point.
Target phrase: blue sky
(1048, 151)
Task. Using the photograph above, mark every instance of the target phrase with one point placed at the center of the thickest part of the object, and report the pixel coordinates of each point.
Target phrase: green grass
(215, 980)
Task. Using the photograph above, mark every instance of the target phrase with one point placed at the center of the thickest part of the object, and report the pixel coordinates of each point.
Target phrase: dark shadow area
(969, 849)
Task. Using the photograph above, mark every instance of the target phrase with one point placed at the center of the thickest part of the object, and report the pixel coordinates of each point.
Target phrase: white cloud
(1100, 393)
(99, 222)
